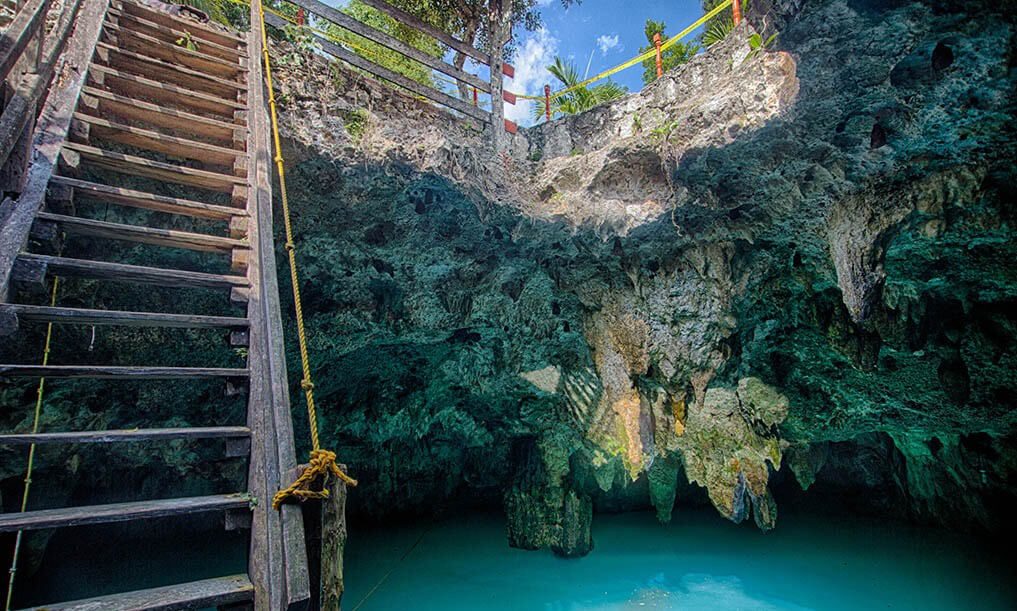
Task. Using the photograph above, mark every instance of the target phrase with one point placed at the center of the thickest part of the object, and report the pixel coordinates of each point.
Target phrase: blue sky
(595, 33)
(599, 34)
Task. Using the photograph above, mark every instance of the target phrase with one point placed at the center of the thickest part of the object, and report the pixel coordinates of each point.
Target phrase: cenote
(492, 304)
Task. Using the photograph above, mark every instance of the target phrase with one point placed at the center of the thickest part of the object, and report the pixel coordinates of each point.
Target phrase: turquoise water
(698, 562)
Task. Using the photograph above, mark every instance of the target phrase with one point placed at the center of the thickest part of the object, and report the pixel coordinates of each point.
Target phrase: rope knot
(290, 246)
(322, 462)
(307, 385)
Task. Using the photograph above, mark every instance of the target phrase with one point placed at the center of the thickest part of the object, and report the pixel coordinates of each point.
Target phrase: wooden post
(660, 62)
(475, 96)
(500, 20)
(300, 16)
(547, 102)
(736, 11)
(333, 542)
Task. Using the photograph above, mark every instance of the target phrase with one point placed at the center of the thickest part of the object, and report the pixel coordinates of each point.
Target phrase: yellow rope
(39, 393)
(635, 60)
(321, 461)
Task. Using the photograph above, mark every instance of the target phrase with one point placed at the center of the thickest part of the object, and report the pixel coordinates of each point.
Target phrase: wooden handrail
(405, 18)
(361, 29)
(26, 25)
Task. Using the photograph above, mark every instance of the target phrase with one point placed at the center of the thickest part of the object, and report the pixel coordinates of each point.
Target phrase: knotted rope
(322, 462)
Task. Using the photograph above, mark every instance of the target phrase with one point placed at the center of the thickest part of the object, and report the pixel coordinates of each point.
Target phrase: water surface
(700, 561)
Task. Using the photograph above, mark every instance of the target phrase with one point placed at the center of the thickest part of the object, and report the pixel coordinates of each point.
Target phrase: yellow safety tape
(635, 60)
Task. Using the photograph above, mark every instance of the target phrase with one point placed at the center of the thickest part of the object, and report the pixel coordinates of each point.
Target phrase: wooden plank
(384, 73)
(207, 593)
(197, 30)
(157, 69)
(275, 535)
(81, 316)
(407, 19)
(51, 131)
(171, 52)
(139, 166)
(148, 201)
(345, 21)
(147, 139)
(120, 512)
(333, 542)
(170, 238)
(164, 94)
(118, 372)
(171, 35)
(128, 435)
(138, 274)
(106, 104)
(21, 31)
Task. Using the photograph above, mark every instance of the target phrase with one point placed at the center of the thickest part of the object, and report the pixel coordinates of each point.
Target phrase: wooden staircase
(193, 122)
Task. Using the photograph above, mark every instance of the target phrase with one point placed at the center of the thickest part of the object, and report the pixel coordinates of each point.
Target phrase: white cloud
(533, 57)
(606, 43)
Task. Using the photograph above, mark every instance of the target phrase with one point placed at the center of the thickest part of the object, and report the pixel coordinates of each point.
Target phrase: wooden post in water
(660, 61)
(333, 542)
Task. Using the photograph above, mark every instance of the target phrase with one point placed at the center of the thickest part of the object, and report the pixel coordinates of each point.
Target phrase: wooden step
(147, 168)
(120, 318)
(121, 272)
(227, 39)
(128, 435)
(174, 146)
(172, 34)
(106, 104)
(139, 42)
(147, 201)
(169, 238)
(219, 592)
(120, 512)
(134, 86)
(141, 64)
(119, 372)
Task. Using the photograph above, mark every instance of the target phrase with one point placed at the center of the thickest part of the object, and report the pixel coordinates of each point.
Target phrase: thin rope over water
(39, 394)
(321, 461)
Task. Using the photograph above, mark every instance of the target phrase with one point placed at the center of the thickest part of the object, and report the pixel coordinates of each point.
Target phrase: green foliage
(757, 44)
(356, 122)
(677, 54)
(384, 56)
(187, 42)
(720, 26)
(662, 132)
(580, 99)
(221, 11)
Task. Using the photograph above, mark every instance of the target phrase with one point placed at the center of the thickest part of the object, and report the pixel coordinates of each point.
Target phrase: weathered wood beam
(394, 77)
(120, 372)
(333, 542)
(138, 274)
(81, 316)
(120, 512)
(147, 168)
(278, 551)
(172, 34)
(197, 30)
(169, 238)
(139, 42)
(128, 435)
(148, 201)
(160, 70)
(151, 140)
(346, 22)
(207, 593)
(26, 25)
(407, 19)
(54, 123)
(161, 93)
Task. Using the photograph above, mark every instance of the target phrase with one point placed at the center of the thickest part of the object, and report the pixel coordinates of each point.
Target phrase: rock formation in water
(788, 268)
